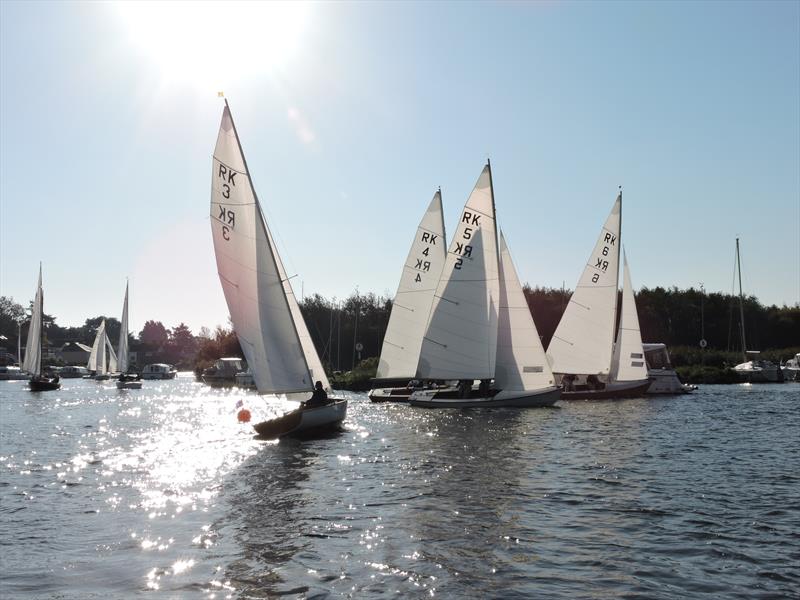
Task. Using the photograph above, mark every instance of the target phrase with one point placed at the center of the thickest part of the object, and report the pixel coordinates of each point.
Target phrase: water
(161, 493)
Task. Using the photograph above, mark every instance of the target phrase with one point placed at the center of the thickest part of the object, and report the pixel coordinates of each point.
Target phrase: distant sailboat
(582, 350)
(102, 359)
(480, 326)
(33, 346)
(411, 308)
(126, 381)
(263, 308)
(753, 369)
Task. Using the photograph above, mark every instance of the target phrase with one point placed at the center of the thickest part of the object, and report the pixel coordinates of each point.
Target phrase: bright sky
(351, 115)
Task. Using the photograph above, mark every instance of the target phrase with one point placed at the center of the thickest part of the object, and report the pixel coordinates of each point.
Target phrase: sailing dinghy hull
(617, 390)
(129, 385)
(44, 384)
(304, 421)
(502, 399)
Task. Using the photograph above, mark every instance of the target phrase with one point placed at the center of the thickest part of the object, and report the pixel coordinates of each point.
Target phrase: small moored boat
(158, 371)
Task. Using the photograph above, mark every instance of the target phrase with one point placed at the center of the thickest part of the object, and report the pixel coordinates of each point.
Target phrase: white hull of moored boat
(665, 381)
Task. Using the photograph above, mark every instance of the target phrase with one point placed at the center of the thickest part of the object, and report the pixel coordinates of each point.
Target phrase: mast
(617, 308)
(269, 236)
(41, 317)
(496, 238)
(741, 301)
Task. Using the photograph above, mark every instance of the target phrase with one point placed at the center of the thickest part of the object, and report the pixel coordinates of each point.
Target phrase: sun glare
(216, 43)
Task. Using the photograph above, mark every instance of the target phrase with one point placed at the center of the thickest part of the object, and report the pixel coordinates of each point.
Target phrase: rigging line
(385, 341)
(555, 337)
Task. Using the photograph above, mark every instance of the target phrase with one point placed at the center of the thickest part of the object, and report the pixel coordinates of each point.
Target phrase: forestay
(412, 302)
(629, 363)
(33, 345)
(461, 338)
(248, 270)
(583, 340)
(521, 361)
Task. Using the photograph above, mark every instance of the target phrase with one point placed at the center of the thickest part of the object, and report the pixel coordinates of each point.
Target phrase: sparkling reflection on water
(159, 491)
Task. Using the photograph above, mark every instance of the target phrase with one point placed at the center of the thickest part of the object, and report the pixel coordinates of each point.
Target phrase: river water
(161, 493)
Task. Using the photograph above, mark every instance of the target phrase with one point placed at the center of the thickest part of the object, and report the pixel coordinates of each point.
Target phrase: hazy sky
(351, 115)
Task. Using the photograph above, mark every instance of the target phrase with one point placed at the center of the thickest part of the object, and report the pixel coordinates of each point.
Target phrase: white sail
(310, 351)
(33, 345)
(412, 302)
(629, 364)
(122, 347)
(249, 273)
(521, 361)
(98, 357)
(583, 340)
(461, 337)
(111, 355)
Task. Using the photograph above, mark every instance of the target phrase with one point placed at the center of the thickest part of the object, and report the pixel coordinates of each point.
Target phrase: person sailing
(318, 398)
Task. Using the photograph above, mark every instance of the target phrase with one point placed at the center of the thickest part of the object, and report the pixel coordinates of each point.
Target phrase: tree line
(347, 331)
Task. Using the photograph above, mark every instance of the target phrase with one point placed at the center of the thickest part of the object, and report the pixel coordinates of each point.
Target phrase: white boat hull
(665, 381)
(759, 372)
(305, 421)
(502, 399)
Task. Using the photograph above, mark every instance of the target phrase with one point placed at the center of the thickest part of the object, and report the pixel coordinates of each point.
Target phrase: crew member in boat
(318, 398)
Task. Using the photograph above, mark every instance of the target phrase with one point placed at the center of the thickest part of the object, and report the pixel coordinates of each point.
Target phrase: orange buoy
(243, 416)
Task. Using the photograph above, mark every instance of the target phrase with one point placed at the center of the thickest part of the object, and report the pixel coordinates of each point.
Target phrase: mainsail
(252, 278)
(122, 353)
(583, 340)
(33, 345)
(461, 337)
(102, 358)
(521, 361)
(412, 302)
(628, 364)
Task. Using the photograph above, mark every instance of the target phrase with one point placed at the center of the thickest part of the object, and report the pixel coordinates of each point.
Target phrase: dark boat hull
(614, 391)
(502, 399)
(44, 384)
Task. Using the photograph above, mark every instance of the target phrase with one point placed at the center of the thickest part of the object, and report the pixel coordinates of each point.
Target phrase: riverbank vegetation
(348, 333)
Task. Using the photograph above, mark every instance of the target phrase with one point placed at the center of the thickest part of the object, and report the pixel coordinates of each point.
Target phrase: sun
(216, 43)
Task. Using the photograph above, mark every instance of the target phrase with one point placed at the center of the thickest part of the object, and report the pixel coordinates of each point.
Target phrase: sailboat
(126, 381)
(402, 342)
(263, 308)
(582, 350)
(480, 327)
(102, 359)
(33, 346)
(753, 369)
